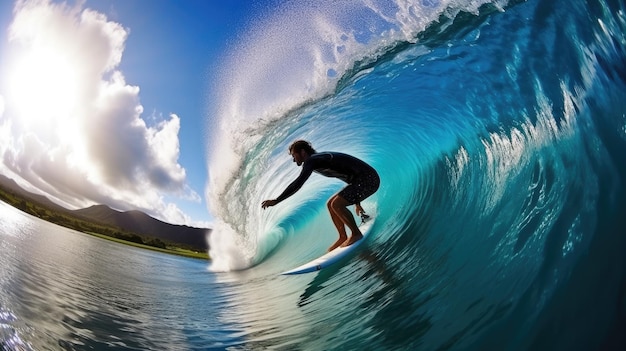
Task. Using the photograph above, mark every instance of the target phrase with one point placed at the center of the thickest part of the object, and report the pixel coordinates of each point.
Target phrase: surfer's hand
(359, 210)
(268, 203)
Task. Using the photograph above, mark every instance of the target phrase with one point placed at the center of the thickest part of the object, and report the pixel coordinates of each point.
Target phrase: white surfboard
(333, 256)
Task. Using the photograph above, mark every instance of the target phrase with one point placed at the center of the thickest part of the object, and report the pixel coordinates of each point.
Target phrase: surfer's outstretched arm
(291, 189)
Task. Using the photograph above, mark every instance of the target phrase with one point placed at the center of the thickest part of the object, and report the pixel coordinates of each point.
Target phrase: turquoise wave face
(498, 137)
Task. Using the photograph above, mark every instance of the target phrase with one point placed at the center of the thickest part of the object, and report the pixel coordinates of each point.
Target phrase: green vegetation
(170, 249)
(66, 219)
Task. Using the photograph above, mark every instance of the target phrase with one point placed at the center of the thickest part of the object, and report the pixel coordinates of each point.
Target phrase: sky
(106, 101)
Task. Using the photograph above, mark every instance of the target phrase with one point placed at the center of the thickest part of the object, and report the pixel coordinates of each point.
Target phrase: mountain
(10, 185)
(139, 222)
(131, 221)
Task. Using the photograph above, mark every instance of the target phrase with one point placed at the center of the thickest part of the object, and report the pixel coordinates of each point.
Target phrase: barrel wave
(499, 132)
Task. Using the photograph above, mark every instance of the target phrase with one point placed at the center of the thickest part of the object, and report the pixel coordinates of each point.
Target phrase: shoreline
(172, 251)
(64, 218)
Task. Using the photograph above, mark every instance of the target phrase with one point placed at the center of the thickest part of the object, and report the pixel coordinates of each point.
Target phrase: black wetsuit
(362, 179)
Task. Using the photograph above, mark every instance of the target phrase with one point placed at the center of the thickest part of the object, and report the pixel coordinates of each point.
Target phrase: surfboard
(333, 256)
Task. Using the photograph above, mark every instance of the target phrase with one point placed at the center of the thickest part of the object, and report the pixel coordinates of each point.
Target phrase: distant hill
(139, 222)
(11, 185)
(131, 221)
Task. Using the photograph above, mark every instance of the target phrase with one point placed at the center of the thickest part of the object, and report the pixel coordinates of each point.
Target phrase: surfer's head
(300, 145)
(300, 150)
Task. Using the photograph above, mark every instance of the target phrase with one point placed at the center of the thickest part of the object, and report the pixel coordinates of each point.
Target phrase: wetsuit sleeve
(296, 184)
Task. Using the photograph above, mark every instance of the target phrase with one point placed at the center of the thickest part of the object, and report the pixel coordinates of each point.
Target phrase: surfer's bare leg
(341, 227)
(338, 207)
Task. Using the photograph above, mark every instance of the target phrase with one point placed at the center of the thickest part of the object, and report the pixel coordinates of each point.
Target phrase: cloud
(72, 127)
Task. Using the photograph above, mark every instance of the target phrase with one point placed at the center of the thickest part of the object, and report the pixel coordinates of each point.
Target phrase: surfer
(362, 181)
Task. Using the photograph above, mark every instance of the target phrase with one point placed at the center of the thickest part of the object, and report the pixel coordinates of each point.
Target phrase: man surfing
(362, 179)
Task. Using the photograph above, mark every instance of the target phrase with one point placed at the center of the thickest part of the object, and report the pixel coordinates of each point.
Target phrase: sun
(43, 87)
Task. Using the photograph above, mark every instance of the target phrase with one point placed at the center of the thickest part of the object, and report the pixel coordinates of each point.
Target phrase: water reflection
(64, 289)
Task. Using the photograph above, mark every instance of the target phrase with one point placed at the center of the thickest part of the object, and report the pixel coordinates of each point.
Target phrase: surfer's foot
(354, 238)
(337, 243)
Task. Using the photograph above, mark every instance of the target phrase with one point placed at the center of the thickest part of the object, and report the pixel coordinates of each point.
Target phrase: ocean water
(499, 132)
(64, 290)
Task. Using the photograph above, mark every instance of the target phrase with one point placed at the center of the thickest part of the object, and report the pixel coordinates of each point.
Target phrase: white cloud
(70, 124)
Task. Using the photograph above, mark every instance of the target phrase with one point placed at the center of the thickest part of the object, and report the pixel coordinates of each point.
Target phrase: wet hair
(299, 145)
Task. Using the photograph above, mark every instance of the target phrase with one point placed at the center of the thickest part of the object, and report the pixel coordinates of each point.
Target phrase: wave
(298, 59)
(498, 129)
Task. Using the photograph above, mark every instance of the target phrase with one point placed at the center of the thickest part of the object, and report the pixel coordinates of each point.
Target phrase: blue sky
(98, 147)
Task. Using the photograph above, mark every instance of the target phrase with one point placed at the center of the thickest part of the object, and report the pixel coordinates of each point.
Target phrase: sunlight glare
(44, 88)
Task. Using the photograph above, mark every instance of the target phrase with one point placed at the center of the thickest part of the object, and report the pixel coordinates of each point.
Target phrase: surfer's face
(298, 157)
